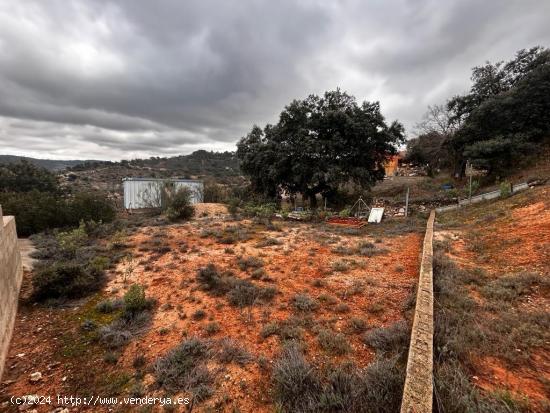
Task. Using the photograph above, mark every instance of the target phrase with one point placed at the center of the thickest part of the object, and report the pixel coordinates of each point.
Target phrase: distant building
(142, 193)
(392, 164)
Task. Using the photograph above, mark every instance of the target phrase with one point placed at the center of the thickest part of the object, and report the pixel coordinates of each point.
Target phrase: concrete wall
(483, 197)
(11, 275)
(418, 391)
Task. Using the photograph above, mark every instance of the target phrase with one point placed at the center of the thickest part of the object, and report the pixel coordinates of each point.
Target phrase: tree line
(498, 124)
(34, 196)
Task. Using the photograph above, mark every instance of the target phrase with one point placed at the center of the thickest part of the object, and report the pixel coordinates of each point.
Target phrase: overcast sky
(93, 79)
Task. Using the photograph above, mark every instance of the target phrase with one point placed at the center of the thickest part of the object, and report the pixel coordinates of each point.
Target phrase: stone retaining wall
(418, 391)
(11, 275)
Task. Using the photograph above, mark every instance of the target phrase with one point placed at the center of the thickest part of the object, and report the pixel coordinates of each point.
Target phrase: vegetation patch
(133, 320)
(240, 293)
(184, 368)
(332, 342)
(496, 327)
(300, 387)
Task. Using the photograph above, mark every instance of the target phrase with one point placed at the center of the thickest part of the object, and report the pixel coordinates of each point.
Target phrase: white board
(376, 215)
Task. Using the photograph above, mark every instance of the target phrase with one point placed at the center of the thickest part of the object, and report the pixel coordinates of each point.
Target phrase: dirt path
(26, 248)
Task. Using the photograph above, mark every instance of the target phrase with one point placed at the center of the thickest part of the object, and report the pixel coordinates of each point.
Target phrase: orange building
(391, 165)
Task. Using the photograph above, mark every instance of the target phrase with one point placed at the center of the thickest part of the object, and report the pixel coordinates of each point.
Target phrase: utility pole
(470, 192)
(469, 173)
(407, 203)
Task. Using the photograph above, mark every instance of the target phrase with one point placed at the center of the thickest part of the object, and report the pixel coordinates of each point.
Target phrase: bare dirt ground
(26, 248)
(367, 274)
(510, 236)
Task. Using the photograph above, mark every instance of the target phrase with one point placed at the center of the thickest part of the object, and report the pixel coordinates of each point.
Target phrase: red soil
(302, 258)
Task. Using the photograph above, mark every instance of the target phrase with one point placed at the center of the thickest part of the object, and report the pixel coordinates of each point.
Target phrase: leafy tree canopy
(507, 115)
(503, 119)
(491, 79)
(23, 176)
(319, 144)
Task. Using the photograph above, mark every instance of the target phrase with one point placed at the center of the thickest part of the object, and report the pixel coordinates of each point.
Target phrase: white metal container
(142, 193)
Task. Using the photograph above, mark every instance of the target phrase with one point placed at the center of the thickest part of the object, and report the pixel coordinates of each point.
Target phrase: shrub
(303, 302)
(240, 293)
(340, 266)
(90, 206)
(179, 205)
(70, 241)
(135, 300)
(184, 369)
(269, 329)
(120, 332)
(38, 211)
(99, 264)
(505, 189)
(233, 352)
(343, 250)
(139, 361)
(328, 299)
(512, 287)
(211, 280)
(357, 325)
(64, 280)
(369, 249)
(268, 241)
(258, 274)
(110, 357)
(212, 328)
(299, 387)
(342, 308)
(392, 339)
(296, 386)
(233, 206)
(290, 330)
(198, 315)
(109, 306)
(249, 262)
(23, 176)
(375, 308)
(332, 342)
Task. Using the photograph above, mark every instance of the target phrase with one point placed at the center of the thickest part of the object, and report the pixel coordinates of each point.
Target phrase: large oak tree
(319, 144)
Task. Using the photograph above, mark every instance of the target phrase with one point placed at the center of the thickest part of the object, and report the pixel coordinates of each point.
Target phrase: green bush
(38, 211)
(179, 205)
(34, 211)
(135, 300)
(23, 176)
(505, 189)
(90, 206)
(64, 280)
(71, 241)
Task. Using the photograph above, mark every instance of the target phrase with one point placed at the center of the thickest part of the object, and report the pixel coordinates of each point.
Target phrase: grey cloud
(116, 79)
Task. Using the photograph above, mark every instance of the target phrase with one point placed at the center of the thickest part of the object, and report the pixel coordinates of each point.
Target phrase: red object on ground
(346, 221)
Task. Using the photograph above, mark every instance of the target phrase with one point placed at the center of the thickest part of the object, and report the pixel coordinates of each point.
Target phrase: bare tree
(436, 119)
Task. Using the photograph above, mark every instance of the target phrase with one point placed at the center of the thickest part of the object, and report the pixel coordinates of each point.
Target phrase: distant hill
(50, 164)
(219, 167)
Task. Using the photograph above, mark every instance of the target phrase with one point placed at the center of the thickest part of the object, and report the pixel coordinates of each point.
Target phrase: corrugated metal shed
(145, 192)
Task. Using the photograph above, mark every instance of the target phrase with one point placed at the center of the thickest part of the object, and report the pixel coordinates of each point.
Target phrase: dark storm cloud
(100, 79)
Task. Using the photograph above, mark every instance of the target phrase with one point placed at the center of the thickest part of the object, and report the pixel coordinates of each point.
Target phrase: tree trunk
(313, 201)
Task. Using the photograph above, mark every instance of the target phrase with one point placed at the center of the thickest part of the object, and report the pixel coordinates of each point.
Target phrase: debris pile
(408, 169)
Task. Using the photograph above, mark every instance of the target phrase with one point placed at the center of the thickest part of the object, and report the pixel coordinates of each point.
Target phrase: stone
(35, 377)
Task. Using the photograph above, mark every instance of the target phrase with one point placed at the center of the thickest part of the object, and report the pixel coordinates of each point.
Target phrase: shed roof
(161, 179)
